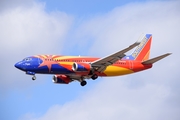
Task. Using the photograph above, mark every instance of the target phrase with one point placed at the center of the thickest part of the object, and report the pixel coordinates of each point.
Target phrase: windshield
(27, 59)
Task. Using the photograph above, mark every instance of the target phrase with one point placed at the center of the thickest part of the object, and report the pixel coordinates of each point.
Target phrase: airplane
(66, 69)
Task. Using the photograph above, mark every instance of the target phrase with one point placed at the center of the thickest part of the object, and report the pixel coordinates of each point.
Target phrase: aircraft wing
(101, 64)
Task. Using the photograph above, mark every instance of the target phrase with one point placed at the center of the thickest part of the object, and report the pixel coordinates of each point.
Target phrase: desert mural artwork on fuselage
(69, 68)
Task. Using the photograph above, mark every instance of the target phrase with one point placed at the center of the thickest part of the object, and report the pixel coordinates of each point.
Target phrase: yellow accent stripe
(44, 56)
(66, 63)
(115, 71)
(146, 56)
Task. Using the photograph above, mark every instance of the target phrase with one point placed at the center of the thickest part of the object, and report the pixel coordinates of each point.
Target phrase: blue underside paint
(30, 73)
(43, 69)
(57, 69)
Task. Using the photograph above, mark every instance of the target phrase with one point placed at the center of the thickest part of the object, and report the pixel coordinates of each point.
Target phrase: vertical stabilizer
(142, 51)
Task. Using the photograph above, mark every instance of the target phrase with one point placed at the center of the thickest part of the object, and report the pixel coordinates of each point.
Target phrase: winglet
(153, 60)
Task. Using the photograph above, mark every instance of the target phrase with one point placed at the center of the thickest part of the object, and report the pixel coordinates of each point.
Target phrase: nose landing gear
(34, 77)
(31, 73)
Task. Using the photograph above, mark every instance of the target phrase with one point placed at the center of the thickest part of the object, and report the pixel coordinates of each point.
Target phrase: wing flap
(153, 60)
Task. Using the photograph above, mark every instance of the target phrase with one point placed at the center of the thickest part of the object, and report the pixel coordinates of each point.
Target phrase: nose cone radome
(18, 65)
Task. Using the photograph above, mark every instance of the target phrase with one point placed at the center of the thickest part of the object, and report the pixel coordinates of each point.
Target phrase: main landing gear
(95, 76)
(83, 83)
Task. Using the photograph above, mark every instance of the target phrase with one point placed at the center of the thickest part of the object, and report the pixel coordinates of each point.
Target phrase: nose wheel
(34, 77)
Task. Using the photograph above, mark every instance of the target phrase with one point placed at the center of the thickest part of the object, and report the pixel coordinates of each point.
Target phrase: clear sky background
(92, 28)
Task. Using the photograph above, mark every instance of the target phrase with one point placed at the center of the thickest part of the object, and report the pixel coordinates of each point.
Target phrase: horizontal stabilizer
(153, 60)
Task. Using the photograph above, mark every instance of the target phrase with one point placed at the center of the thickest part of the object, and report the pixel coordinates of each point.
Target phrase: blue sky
(92, 28)
(82, 8)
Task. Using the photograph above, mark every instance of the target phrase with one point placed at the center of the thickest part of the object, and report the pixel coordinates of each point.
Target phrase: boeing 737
(66, 69)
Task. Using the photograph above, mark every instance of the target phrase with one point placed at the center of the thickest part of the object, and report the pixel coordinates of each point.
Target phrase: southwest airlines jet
(70, 68)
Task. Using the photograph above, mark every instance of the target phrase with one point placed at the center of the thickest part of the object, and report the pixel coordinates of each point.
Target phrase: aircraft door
(131, 64)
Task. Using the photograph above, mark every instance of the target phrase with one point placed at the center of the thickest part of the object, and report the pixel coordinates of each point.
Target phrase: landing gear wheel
(83, 83)
(95, 76)
(34, 77)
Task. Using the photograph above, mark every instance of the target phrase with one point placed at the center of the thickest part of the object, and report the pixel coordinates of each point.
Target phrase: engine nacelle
(81, 67)
(61, 79)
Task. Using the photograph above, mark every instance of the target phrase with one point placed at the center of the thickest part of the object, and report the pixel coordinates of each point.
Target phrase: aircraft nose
(18, 65)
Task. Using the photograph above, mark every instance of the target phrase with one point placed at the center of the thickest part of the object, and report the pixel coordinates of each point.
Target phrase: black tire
(83, 83)
(34, 78)
(95, 76)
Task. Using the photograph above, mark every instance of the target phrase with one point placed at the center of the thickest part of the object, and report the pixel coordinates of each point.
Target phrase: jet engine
(81, 67)
(61, 79)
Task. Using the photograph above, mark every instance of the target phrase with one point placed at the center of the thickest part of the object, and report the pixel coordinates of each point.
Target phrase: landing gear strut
(83, 83)
(34, 77)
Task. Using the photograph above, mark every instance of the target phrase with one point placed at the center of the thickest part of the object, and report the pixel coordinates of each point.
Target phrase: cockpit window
(27, 59)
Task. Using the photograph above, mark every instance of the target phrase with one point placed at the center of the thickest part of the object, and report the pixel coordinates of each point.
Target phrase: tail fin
(142, 51)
